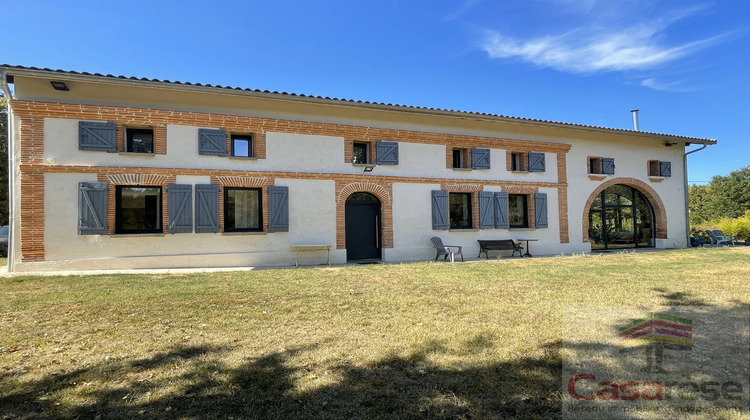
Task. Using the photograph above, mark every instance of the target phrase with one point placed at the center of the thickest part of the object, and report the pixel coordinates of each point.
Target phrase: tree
(3, 160)
(731, 193)
(725, 197)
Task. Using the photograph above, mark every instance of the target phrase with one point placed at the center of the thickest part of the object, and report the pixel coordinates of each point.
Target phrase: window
(137, 209)
(242, 145)
(518, 215)
(459, 158)
(658, 168)
(600, 165)
(361, 153)
(460, 210)
(140, 141)
(242, 210)
(518, 161)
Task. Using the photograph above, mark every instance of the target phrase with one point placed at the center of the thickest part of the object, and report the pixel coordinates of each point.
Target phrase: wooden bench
(499, 245)
(308, 248)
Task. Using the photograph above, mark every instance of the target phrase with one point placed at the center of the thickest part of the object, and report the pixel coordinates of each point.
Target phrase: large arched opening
(621, 216)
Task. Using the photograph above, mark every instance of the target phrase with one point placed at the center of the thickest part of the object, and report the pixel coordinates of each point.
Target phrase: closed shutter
(212, 142)
(98, 136)
(206, 208)
(486, 210)
(180, 208)
(500, 207)
(540, 204)
(666, 168)
(480, 158)
(439, 210)
(608, 166)
(387, 152)
(536, 162)
(278, 209)
(92, 208)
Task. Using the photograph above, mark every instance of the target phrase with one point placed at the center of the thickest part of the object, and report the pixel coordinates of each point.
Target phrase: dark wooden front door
(362, 227)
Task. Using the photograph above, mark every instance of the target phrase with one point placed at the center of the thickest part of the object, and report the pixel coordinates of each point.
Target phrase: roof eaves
(340, 101)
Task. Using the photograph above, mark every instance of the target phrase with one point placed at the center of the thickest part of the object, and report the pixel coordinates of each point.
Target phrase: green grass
(471, 340)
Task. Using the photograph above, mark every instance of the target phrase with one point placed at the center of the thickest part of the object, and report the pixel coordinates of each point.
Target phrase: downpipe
(687, 199)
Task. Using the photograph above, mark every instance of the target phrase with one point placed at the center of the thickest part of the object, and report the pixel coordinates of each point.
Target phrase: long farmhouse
(114, 172)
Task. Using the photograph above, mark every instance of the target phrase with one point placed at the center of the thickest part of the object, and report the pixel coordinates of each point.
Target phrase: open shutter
(99, 136)
(536, 162)
(180, 208)
(480, 158)
(439, 209)
(540, 204)
(206, 208)
(666, 168)
(212, 142)
(500, 205)
(387, 152)
(608, 166)
(278, 209)
(92, 208)
(486, 210)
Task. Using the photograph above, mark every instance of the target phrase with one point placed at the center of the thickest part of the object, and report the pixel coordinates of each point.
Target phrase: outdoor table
(527, 254)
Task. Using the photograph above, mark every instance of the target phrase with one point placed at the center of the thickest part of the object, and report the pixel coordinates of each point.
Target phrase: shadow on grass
(393, 387)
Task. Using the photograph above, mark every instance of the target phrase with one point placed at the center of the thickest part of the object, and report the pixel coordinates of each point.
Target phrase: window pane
(138, 209)
(458, 158)
(517, 214)
(140, 141)
(241, 146)
(242, 209)
(359, 153)
(460, 210)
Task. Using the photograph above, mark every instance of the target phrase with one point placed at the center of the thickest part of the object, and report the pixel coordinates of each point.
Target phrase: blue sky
(683, 63)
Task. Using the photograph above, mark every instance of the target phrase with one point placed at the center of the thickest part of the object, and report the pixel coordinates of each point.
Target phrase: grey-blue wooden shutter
(99, 136)
(500, 204)
(278, 209)
(180, 208)
(666, 168)
(212, 142)
(480, 158)
(92, 208)
(540, 205)
(486, 210)
(387, 152)
(440, 209)
(206, 208)
(608, 166)
(536, 162)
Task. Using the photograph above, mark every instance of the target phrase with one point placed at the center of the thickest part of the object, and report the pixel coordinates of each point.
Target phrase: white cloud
(598, 47)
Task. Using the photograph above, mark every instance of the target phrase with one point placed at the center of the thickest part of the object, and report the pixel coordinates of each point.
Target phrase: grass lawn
(420, 340)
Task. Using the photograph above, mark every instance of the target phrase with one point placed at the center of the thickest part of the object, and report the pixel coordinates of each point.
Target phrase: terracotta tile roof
(8, 69)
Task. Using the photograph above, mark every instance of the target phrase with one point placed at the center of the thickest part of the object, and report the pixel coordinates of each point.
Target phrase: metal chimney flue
(636, 125)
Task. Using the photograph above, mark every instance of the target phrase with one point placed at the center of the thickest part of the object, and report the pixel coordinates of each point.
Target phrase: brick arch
(382, 192)
(375, 189)
(660, 214)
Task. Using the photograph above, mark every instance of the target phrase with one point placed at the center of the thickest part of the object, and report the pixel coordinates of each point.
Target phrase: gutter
(11, 212)
(687, 200)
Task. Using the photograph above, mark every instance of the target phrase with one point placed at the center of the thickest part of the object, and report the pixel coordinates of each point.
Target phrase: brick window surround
(660, 214)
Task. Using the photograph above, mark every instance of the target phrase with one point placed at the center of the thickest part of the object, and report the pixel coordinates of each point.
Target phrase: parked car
(4, 241)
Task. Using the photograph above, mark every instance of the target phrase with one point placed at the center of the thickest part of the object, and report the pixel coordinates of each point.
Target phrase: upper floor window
(459, 158)
(138, 209)
(140, 140)
(518, 161)
(242, 145)
(659, 168)
(600, 165)
(361, 153)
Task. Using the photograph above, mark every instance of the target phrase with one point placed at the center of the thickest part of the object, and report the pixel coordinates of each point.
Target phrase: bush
(739, 227)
